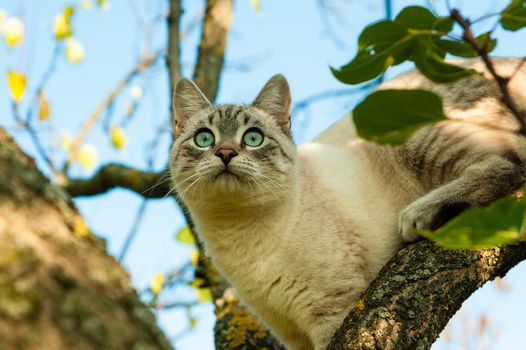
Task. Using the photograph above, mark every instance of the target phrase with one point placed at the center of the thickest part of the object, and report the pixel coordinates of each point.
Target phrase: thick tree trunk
(58, 287)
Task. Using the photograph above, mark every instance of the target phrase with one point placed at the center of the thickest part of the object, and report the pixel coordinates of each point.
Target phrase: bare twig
(448, 6)
(328, 13)
(486, 16)
(134, 229)
(33, 135)
(176, 277)
(175, 305)
(144, 63)
(329, 94)
(502, 82)
(137, 14)
(388, 5)
(246, 64)
(518, 68)
(51, 67)
(40, 148)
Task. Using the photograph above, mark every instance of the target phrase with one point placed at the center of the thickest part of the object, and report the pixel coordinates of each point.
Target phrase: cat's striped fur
(301, 232)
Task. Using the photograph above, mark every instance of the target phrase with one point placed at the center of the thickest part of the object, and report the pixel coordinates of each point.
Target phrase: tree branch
(147, 184)
(501, 81)
(417, 292)
(211, 54)
(173, 56)
(144, 63)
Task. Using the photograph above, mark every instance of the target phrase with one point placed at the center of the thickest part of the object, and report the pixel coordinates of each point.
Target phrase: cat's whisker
(158, 183)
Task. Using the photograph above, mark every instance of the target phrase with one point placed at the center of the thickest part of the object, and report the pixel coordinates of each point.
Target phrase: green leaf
(500, 223)
(416, 17)
(513, 17)
(444, 24)
(391, 116)
(380, 36)
(204, 295)
(389, 43)
(362, 68)
(185, 236)
(435, 68)
(463, 49)
(380, 45)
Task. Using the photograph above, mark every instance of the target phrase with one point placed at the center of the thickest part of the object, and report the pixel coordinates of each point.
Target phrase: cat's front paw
(418, 215)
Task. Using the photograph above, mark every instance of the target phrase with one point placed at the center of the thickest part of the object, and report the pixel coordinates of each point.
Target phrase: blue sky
(288, 37)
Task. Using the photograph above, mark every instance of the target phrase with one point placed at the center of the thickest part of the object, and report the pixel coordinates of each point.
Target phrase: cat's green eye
(253, 137)
(204, 138)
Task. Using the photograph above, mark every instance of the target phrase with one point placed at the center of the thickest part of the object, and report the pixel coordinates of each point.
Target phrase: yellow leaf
(62, 24)
(195, 257)
(104, 5)
(204, 295)
(118, 137)
(198, 282)
(74, 51)
(17, 84)
(193, 322)
(86, 4)
(80, 228)
(87, 156)
(157, 283)
(69, 11)
(256, 6)
(185, 236)
(136, 92)
(13, 31)
(44, 110)
(360, 304)
(66, 141)
(3, 17)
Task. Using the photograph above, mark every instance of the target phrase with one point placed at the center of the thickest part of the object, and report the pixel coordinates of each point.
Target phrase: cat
(301, 232)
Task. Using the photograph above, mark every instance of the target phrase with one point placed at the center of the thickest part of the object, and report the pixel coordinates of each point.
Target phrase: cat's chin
(227, 175)
(227, 181)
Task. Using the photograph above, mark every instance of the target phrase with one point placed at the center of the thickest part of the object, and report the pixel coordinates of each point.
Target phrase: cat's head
(232, 152)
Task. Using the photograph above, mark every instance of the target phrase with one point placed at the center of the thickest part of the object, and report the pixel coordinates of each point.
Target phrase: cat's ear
(188, 101)
(274, 99)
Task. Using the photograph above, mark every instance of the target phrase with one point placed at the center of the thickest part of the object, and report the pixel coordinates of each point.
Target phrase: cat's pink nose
(226, 154)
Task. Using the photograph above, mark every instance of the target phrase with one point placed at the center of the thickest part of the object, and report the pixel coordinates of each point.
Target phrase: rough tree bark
(211, 54)
(416, 294)
(58, 287)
